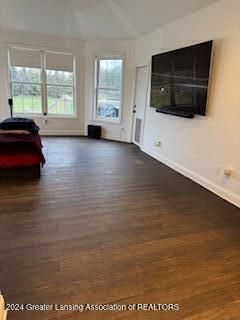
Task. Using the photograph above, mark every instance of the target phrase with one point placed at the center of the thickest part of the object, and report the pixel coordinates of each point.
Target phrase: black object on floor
(94, 131)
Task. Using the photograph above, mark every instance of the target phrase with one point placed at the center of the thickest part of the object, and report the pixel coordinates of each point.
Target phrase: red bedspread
(21, 160)
(20, 150)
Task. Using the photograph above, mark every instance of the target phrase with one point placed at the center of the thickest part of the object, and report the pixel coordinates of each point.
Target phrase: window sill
(42, 117)
(104, 120)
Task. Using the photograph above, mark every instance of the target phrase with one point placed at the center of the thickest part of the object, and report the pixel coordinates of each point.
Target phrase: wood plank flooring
(108, 224)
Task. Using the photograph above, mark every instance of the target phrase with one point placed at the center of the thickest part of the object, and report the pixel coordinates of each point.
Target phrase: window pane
(26, 98)
(23, 74)
(60, 77)
(110, 74)
(108, 103)
(60, 100)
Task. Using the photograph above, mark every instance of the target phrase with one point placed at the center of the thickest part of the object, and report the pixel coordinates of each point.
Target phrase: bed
(20, 154)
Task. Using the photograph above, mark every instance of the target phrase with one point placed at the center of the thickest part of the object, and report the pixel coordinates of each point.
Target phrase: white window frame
(96, 88)
(43, 82)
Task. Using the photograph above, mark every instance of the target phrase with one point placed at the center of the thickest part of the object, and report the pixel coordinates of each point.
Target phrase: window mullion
(43, 84)
(59, 85)
(27, 83)
(109, 89)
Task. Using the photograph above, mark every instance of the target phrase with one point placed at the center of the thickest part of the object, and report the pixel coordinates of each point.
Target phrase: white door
(140, 104)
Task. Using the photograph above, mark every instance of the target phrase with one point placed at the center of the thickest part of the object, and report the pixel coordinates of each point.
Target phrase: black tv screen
(179, 82)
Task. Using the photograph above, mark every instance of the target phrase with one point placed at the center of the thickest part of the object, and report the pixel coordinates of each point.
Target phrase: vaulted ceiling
(95, 19)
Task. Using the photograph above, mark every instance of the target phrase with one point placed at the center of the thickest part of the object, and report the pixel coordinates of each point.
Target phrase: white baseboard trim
(77, 133)
(113, 138)
(218, 190)
(61, 133)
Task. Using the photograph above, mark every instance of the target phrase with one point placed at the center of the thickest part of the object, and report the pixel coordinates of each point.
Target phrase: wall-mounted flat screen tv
(179, 81)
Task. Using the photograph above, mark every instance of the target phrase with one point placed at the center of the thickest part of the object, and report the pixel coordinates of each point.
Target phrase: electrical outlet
(157, 143)
(227, 172)
(217, 170)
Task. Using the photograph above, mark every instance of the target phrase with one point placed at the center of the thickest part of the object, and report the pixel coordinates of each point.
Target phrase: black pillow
(19, 124)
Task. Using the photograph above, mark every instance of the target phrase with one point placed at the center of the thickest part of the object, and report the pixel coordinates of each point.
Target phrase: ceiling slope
(95, 19)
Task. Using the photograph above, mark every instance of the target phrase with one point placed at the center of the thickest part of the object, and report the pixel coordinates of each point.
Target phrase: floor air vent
(138, 130)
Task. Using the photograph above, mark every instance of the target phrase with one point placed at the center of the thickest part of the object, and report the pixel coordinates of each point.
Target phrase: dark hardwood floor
(108, 224)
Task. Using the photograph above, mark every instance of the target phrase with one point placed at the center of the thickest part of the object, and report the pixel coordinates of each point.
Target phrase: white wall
(68, 126)
(195, 147)
(122, 130)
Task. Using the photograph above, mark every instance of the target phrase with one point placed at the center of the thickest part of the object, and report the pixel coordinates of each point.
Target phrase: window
(59, 84)
(42, 82)
(26, 81)
(108, 88)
